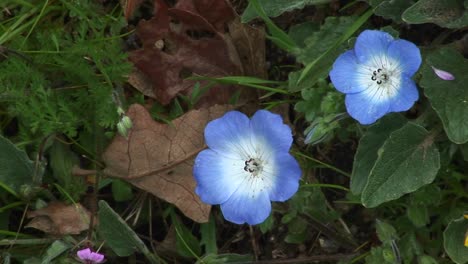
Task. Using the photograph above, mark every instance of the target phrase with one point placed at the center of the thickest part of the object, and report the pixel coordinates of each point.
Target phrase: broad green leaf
(407, 161)
(446, 13)
(55, 250)
(454, 238)
(393, 9)
(16, 169)
(117, 234)
(370, 143)
(274, 8)
(208, 236)
(448, 98)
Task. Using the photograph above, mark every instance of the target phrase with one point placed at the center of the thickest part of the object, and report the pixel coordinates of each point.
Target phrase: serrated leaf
(274, 8)
(448, 98)
(446, 13)
(407, 161)
(370, 143)
(454, 237)
(117, 234)
(16, 169)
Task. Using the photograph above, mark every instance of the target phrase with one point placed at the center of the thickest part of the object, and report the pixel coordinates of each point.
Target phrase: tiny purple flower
(88, 257)
(246, 166)
(447, 76)
(376, 76)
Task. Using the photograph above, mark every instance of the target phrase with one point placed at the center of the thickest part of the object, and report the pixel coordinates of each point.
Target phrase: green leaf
(454, 238)
(446, 13)
(62, 160)
(393, 9)
(274, 8)
(418, 215)
(55, 250)
(448, 98)
(407, 161)
(370, 143)
(16, 169)
(385, 231)
(426, 259)
(208, 236)
(300, 32)
(117, 234)
(318, 43)
(267, 225)
(187, 244)
(325, 60)
(225, 258)
(121, 190)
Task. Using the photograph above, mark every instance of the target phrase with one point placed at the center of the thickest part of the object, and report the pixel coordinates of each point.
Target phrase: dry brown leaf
(158, 158)
(179, 42)
(250, 45)
(60, 219)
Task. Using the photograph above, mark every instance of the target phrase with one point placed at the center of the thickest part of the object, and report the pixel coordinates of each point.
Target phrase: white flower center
(254, 166)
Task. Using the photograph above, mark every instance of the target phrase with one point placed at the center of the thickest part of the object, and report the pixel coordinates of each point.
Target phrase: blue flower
(246, 166)
(376, 76)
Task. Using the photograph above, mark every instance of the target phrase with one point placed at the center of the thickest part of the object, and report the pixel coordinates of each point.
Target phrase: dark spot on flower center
(254, 166)
(379, 76)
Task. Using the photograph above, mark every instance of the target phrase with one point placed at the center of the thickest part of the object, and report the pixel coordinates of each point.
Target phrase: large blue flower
(376, 76)
(246, 166)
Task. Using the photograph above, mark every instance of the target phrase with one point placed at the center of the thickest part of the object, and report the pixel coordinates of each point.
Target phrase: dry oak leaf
(158, 158)
(178, 43)
(58, 218)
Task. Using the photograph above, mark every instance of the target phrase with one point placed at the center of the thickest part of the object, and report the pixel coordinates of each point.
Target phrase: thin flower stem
(326, 186)
(328, 166)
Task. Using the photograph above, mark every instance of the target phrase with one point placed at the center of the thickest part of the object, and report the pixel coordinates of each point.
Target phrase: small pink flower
(88, 257)
(447, 76)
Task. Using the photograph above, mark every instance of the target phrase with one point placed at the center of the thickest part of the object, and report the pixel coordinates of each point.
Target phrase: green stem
(326, 165)
(334, 186)
(32, 241)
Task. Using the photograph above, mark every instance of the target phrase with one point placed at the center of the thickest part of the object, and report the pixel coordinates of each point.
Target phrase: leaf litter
(158, 158)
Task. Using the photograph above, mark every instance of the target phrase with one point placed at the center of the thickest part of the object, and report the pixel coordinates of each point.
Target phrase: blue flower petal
(368, 106)
(270, 128)
(371, 44)
(222, 134)
(247, 205)
(217, 176)
(344, 73)
(407, 54)
(406, 96)
(286, 181)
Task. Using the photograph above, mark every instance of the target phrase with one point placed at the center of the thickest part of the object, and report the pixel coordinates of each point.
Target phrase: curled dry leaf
(60, 219)
(158, 158)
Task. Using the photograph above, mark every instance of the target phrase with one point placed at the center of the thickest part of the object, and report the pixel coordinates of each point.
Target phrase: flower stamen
(379, 76)
(254, 166)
